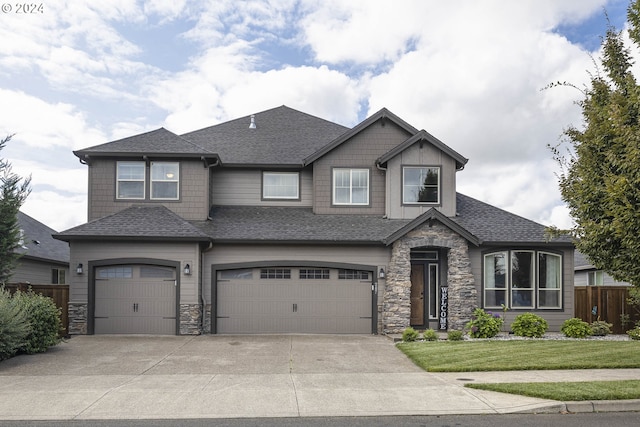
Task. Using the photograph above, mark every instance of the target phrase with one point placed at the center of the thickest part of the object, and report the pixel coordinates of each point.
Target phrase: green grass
(512, 355)
(575, 391)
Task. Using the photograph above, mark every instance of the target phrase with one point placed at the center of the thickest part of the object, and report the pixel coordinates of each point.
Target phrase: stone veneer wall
(77, 318)
(190, 315)
(463, 298)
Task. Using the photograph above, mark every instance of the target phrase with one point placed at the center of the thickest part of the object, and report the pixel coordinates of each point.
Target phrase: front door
(424, 292)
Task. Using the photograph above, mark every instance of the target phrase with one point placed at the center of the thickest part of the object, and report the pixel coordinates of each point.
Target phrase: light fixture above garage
(187, 269)
(79, 269)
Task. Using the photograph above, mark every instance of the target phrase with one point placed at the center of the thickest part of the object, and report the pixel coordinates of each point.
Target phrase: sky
(74, 74)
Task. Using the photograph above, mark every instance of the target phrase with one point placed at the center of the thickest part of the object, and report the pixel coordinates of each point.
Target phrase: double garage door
(135, 299)
(293, 300)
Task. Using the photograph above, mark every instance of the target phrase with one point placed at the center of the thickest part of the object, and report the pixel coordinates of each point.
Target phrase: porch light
(381, 273)
(187, 269)
(79, 269)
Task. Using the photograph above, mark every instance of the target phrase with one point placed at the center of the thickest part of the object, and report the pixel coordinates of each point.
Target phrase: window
(595, 278)
(350, 186)
(314, 273)
(353, 275)
(58, 276)
(420, 184)
(130, 177)
(280, 185)
(157, 272)
(238, 274)
(275, 273)
(522, 279)
(165, 177)
(115, 273)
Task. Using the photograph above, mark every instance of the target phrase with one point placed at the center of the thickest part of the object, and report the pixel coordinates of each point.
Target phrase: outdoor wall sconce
(381, 273)
(79, 269)
(187, 269)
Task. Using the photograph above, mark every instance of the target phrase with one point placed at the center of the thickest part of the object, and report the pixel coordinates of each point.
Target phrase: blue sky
(470, 72)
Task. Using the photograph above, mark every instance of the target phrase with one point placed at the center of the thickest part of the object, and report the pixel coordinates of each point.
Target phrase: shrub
(484, 324)
(409, 335)
(529, 325)
(600, 328)
(430, 335)
(455, 335)
(44, 317)
(634, 333)
(14, 325)
(576, 328)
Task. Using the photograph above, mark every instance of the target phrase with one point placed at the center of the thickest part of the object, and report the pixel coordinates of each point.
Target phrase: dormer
(421, 175)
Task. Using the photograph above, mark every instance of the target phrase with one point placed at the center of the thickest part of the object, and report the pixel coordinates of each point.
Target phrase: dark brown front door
(417, 295)
(424, 292)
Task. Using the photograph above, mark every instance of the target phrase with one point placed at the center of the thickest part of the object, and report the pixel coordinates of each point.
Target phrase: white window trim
(175, 180)
(351, 171)
(297, 195)
(118, 180)
(536, 281)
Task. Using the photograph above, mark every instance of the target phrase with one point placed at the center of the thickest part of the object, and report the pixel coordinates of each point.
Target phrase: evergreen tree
(600, 178)
(13, 192)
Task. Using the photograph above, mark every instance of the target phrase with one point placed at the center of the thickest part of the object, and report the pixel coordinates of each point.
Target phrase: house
(282, 222)
(586, 274)
(44, 260)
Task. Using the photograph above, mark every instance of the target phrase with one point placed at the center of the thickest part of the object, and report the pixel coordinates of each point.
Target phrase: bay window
(522, 279)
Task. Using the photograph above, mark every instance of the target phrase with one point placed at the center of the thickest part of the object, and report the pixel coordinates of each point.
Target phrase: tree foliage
(600, 178)
(13, 192)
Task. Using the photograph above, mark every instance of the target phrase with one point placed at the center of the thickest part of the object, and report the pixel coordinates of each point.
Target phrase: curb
(589, 406)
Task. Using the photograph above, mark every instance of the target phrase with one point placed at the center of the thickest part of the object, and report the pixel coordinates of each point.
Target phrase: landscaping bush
(634, 333)
(576, 328)
(484, 324)
(529, 325)
(430, 335)
(44, 318)
(409, 335)
(600, 328)
(14, 325)
(455, 336)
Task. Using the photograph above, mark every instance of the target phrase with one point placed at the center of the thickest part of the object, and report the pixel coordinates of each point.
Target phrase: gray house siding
(36, 272)
(360, 152)
(582, 279)
(243, 187)
(192, 205)
(555, 317)
(427, 155)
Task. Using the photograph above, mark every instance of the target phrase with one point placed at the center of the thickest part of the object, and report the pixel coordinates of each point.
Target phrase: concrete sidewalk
(150, 377)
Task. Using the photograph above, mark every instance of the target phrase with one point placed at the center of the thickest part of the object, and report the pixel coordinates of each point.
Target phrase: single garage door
(294, 300)
(135, 299)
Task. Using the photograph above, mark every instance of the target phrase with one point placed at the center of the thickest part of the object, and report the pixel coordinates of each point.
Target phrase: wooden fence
(606, 303)
(58, 293)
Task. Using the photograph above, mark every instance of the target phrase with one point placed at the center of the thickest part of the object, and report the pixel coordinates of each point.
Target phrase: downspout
(203, 302)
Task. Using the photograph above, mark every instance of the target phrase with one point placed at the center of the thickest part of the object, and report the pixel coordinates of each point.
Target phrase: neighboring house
(44, 260)
(281, 222)
(586, 273)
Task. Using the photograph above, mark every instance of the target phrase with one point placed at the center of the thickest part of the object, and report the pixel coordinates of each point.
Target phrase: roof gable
(422, 137)
(38, 242)
(431, 215)
(282, 136)
(382, 114)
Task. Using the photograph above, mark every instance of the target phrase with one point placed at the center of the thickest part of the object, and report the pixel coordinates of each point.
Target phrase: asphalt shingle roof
(39, 242)
(144, 222)
(283, 136)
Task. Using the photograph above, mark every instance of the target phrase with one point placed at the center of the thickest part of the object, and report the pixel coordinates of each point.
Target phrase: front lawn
(515, 355)
(572, 391)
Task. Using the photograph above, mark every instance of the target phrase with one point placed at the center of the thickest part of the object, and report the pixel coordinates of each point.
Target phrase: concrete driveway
(151, 377)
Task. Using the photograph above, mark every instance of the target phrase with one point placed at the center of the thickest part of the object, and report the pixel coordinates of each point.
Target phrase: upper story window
(522, 279)
(420, 184)
(350, 186)
(130, 180)
(280, 185)
(165, 179)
